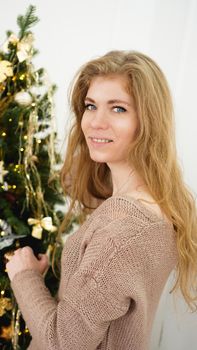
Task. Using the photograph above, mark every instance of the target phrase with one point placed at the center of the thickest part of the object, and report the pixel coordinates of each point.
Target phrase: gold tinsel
(7, 332)
(16, 314)
(5, 305)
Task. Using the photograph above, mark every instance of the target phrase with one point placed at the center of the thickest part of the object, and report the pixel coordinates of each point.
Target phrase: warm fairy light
(2, 292)
(20, 123)
(22, 77)
(14, 78)
(2, 233)
(17, 168)
(14, 186)
(21, 149)
(3, 134)
(10, 120)
(39, 141)
(25, 137)
(4, 186)
(33, 104)
(2, 88)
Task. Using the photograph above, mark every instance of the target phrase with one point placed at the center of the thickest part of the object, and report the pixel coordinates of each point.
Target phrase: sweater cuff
(33, 297)
(26, 280)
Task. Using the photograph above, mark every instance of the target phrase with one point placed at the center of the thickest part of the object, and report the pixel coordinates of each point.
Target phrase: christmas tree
(29, 171)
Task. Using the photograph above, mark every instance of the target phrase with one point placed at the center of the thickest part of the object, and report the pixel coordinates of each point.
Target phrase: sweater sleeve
(93, 297)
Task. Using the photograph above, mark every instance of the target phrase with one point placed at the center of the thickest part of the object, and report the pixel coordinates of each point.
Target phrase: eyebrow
(109, 102)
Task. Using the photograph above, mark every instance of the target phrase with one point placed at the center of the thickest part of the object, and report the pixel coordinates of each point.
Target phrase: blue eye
(89, 106)
(120, 109)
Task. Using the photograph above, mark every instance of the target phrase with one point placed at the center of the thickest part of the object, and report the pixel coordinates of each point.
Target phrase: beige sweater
(114, 269)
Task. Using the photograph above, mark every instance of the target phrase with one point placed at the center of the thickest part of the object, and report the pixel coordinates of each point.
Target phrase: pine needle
(27, 21)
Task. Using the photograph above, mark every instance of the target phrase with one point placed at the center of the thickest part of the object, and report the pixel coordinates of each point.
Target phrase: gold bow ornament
(40, 224)
(6, 70)
(5, 305)
(24, 48)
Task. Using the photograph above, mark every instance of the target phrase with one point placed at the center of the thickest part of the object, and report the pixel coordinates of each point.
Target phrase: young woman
(123, 171)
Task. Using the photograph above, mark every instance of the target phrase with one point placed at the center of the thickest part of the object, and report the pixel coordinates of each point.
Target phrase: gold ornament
(5, 305)
(5, 70)
(2, 172)
(39, 225)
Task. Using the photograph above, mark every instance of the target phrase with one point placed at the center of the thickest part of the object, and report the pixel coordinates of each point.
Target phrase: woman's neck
(124, 179)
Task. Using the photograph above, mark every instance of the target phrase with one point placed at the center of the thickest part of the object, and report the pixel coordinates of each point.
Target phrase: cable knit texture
(113, 271)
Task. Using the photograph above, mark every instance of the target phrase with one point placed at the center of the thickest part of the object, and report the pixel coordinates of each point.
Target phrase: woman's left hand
(24, 259)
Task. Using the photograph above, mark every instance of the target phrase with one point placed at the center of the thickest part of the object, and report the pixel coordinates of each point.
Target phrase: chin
(98, 159)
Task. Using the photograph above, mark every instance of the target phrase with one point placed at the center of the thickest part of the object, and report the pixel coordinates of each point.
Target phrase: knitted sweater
(113, 271)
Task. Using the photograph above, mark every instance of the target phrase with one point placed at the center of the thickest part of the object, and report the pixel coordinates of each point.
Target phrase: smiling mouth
(99, 140)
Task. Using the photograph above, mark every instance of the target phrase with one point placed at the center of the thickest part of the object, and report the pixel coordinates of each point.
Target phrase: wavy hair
(153, 155)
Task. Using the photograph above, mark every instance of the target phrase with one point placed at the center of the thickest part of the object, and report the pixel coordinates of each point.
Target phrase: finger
(27, 250)
(18, 250)
(8, 255)
(43, 257)
(7, 266)
(40, 256)
(44, 262)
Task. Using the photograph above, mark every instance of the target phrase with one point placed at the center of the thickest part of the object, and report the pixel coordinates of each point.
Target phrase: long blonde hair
(153, 155)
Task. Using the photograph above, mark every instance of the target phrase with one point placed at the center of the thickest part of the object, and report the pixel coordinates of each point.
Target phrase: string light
(22, 77)
(17, 168)
(2, 88)
(3, 134)
(10, 120)
(21, 149)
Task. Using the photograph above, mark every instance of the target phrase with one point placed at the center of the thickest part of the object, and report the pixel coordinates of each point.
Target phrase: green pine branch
(27, 21)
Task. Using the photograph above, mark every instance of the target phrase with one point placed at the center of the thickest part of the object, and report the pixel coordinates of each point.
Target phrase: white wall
(72, 32)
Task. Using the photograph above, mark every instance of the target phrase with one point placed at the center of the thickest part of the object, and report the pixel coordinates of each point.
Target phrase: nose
(99, 119)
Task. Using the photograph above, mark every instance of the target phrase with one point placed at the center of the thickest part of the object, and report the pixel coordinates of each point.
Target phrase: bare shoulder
(148, 201)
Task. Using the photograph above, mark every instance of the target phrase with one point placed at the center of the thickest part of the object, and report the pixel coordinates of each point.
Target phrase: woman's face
(110, 121)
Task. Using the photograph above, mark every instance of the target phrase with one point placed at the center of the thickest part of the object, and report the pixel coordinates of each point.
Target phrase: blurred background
(71, 32)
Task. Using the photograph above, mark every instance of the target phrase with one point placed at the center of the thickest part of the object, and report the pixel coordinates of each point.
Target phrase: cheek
(128, 130)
